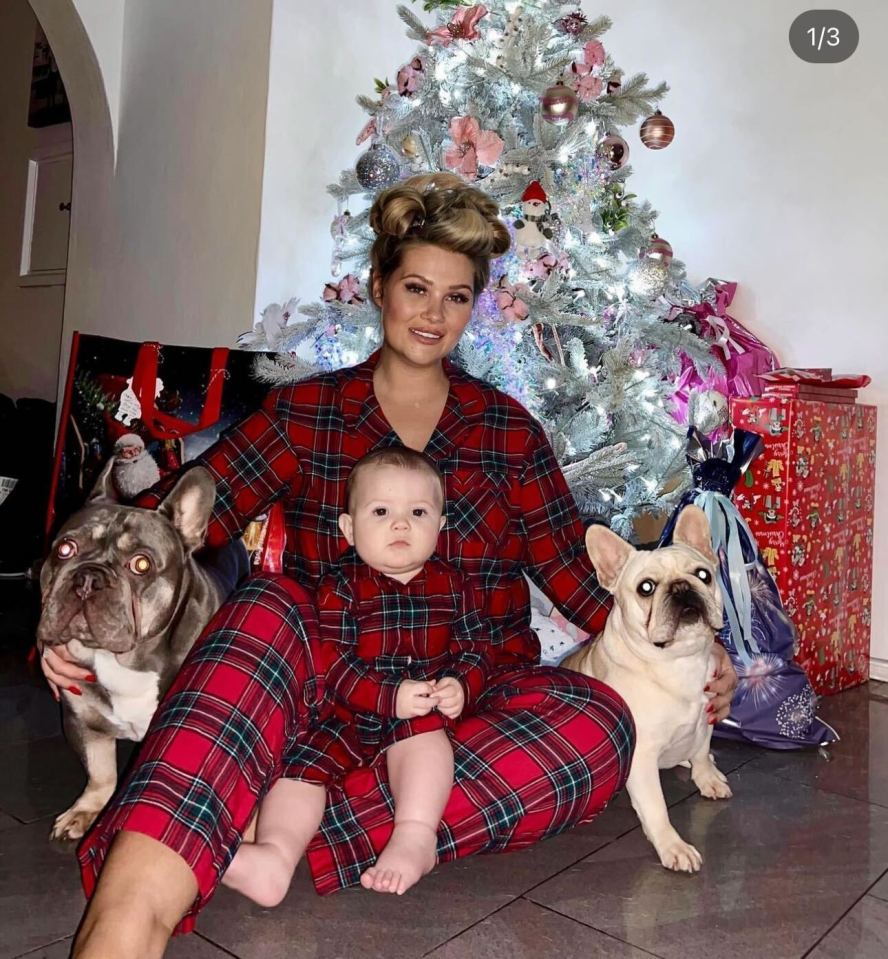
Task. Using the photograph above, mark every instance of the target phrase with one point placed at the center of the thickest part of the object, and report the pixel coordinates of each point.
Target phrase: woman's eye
(646, 587)
(704, 575)
(460, 298)
(413, 288)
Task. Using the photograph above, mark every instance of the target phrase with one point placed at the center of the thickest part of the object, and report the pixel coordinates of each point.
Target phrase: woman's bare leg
(144, 890)
(420, 771)
(288, 817)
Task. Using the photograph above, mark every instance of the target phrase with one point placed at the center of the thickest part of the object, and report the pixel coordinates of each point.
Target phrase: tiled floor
(796, 864)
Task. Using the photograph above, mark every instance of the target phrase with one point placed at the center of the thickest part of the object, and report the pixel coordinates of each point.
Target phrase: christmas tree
(525, 103)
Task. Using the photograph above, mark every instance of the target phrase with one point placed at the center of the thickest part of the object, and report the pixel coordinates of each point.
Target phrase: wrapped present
(774, 704)
(809, 501)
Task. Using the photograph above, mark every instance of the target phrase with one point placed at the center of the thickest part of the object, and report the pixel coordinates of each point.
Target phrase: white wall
(775, 177)
(164, 242)
(30, 316)
(103, 21)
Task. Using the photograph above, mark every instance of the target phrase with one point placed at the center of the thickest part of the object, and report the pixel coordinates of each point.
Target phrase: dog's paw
(680, 856)
(73, 823)
(712, 783)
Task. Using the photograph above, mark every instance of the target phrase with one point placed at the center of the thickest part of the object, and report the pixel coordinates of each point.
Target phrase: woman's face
(426, 303)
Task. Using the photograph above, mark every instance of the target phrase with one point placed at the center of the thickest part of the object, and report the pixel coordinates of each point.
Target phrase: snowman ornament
(533, 228)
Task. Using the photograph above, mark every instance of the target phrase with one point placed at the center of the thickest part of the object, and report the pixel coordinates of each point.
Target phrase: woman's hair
(400, 456)
(440, 209)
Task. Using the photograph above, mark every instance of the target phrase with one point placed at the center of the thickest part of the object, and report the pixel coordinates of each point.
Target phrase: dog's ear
(609, 554)
(104, 490)
(692, 529)
(189, 505)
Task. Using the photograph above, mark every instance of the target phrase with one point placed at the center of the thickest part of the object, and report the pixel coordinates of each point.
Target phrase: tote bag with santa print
(153, 408)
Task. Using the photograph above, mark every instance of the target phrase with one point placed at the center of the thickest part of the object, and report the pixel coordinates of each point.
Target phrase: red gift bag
(174, 401)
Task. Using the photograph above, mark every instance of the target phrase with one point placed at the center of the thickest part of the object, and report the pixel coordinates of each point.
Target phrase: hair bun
(440, 209)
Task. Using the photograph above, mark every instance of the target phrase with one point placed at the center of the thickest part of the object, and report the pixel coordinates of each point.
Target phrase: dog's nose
(89, 579)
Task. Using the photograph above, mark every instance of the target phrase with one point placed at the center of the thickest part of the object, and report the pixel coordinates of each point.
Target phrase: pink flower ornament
(347, 290)
(593, 54)
(410, 76)
(471, 147)
(367, 131)
(510, 306)
(463, 26)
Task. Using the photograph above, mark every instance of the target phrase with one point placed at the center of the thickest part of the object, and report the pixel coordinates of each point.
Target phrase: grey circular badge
(823, 36)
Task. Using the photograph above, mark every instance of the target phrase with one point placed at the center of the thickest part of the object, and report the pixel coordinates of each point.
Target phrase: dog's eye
(646, 587)
(66, 549)
(139, 564)
(704, 575)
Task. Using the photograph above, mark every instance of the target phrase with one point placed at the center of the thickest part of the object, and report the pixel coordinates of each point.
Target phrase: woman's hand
(415, 698)
(721, 686)
(61, 670)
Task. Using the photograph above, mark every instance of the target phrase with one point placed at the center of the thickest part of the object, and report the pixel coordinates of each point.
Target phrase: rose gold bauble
(657, 131)
(613, 150)
(615, 84)
(659, 249)
(559, 104)
(410, 146)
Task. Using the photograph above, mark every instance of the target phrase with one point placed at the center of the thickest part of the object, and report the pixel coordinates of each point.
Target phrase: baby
(405, 654)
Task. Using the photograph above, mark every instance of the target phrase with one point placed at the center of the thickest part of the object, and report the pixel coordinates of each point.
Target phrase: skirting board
(879, 669)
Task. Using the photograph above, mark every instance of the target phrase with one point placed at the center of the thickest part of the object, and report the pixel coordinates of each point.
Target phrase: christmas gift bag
(152, 408)
(745, 359)
(774, 704)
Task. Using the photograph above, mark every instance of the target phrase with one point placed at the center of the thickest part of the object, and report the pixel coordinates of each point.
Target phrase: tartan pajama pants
(545, 750)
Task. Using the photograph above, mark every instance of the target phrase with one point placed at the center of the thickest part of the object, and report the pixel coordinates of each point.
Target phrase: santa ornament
(134, 467)
(534, 227)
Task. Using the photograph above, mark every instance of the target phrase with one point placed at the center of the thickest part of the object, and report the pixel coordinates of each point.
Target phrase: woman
(546, 748)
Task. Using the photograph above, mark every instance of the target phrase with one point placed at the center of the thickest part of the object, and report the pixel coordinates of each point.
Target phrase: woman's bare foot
(407, 857)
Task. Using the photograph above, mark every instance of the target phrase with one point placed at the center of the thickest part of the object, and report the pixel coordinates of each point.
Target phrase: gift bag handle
(163, 426)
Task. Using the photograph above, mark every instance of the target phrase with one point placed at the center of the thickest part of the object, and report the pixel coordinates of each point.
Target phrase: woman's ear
(346, 527)
(375, 286)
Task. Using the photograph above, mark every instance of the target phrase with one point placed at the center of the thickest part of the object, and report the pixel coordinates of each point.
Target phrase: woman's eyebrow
(419, 276)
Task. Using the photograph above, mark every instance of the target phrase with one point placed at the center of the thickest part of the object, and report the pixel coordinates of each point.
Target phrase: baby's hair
(440, 209)
(400, 456)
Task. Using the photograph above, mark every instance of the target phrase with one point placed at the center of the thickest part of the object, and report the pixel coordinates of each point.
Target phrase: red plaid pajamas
(545, 749)
(376, 632)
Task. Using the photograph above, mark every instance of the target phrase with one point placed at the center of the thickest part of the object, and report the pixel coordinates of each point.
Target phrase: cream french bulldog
(656, 652)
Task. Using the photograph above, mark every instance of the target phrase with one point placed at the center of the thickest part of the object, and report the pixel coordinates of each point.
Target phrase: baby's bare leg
(421, 776)
(288, 818)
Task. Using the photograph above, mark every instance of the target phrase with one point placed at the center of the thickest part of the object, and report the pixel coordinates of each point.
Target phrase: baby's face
(395, 519)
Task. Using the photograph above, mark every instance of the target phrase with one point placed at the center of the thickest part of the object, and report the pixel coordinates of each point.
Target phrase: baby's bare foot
(407, 857)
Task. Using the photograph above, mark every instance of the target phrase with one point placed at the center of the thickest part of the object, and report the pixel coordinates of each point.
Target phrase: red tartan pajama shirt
(545, 748)
(376, 632)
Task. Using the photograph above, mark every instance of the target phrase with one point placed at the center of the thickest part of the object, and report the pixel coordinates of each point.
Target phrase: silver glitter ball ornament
(649, 278)
(378, 168)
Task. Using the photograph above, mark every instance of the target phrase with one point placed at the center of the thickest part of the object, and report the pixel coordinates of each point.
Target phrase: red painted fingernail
(709, 708)
(712, 720)
(707, 688)
(75, 690)
(91, 678)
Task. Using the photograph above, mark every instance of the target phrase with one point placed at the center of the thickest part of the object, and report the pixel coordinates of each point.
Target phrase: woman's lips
(426, 336)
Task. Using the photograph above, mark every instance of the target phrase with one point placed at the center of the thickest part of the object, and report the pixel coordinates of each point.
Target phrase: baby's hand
(415, 698)
(451, 697)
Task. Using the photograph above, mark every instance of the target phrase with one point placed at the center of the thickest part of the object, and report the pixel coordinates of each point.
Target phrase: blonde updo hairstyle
(440, 209)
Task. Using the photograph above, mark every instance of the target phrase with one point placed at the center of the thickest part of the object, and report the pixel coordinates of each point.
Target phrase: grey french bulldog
(122, 588)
